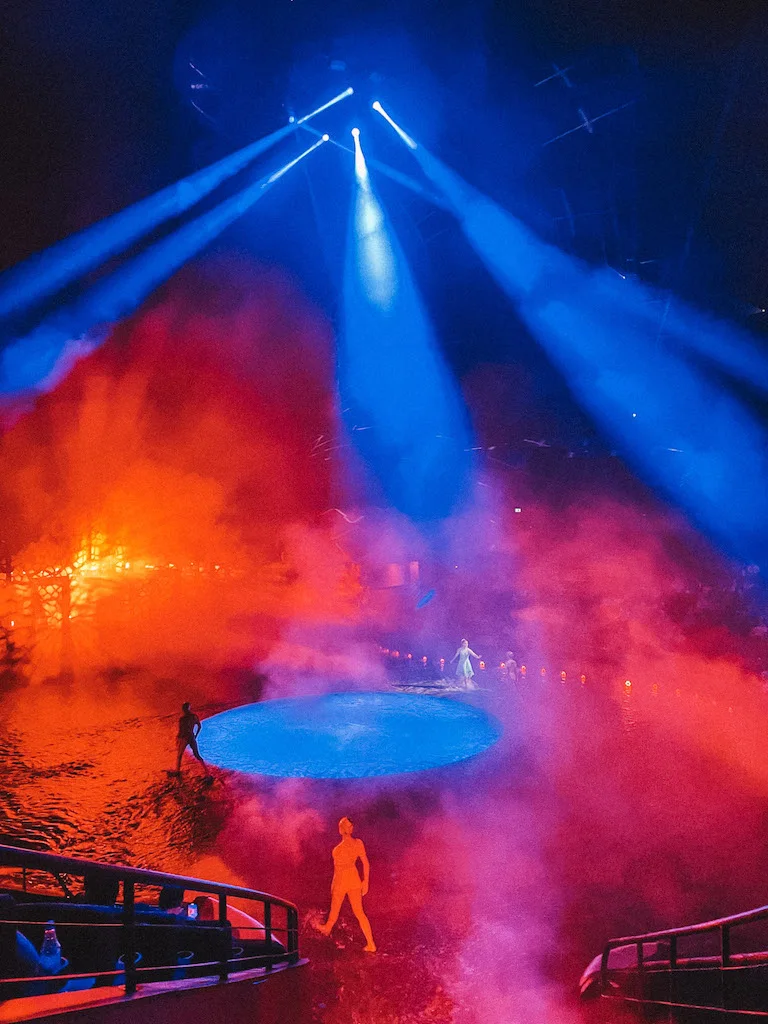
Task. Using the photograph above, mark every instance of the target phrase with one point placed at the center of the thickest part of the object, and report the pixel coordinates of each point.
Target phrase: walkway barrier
(719, 967)
(134, 940)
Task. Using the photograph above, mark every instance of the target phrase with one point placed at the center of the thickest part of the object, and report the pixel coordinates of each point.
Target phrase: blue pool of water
(347, 735)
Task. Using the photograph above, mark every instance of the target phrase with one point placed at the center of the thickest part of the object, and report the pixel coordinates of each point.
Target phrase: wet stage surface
(493, 880)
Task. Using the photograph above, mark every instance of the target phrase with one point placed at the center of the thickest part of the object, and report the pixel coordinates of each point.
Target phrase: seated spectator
(171, 900)
(99, 891)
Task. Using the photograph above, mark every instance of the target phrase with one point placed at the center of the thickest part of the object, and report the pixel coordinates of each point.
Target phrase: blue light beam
(391, 375)
(35, 363)
(403, 135)
(45, 273)
(325, 106)
(686, 433)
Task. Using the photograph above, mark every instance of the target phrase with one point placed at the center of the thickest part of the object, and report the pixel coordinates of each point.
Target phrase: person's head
(345, 827)
(170, 896)
(99, 890)
(186, 706)
(465, 643)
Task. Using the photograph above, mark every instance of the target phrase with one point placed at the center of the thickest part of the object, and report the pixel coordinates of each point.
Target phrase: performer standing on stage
(464, 670)
(509, 668)
(347, 882)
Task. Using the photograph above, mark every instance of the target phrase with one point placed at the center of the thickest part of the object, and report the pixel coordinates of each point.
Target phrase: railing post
(640, 972)
(129, 937)
(268, 931)
(224, 961)
(604, 969)
(672, 952)
(725, 954)
(725, 945)
(292, 923)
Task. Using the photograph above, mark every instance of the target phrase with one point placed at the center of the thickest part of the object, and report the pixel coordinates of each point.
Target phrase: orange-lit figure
(346, 882)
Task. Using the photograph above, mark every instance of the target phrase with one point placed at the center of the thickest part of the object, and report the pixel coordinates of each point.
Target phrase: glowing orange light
(395, 654)
(543, 672)
(523, 670)
(627, 682)
(583, 679)
(562, 676)
(409, 655)
(482, 664)
(424, 660)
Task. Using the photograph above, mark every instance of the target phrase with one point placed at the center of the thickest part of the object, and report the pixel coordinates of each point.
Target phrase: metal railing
(287, 950)
(669, 961)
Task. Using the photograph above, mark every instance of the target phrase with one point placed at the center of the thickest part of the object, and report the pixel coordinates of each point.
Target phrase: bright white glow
(361, 170)
(291, 119)
(330, 103)
(377, 259)
(326, 138)
(406, 138)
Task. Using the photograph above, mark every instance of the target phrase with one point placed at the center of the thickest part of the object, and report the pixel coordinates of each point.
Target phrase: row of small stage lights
(522, 670)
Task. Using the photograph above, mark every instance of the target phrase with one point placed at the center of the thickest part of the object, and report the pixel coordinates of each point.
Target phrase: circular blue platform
(347, 735)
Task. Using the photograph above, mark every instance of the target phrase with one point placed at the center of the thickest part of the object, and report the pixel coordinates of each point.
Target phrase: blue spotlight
(35, 362)
(406, 138)
(355, 133)
(326, 138)
(694, 438)
(389, 172)
(325, 106)
(47, 272)
(391, 375)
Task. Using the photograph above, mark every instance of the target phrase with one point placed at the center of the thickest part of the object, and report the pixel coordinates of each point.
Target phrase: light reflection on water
(85, 774)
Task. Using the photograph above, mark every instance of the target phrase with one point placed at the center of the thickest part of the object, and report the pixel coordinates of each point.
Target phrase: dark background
(97, 111)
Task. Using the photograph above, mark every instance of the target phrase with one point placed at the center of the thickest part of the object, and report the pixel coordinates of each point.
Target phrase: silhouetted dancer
(464, 670)
(346, 882)
(189, 729)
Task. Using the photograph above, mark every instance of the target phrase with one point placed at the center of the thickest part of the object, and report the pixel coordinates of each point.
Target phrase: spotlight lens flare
(355, 133)
(326, 138)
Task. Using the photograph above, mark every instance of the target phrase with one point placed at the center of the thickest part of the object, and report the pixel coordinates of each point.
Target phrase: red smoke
(190, 442)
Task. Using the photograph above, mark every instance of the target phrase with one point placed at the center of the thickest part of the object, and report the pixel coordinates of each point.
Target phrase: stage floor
(348, 735)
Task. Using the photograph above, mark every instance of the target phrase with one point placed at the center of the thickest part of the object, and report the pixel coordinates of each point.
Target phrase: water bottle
(50, 951)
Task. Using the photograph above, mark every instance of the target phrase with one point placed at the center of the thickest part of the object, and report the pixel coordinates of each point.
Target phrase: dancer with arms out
(464, 670)
(346, 882)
